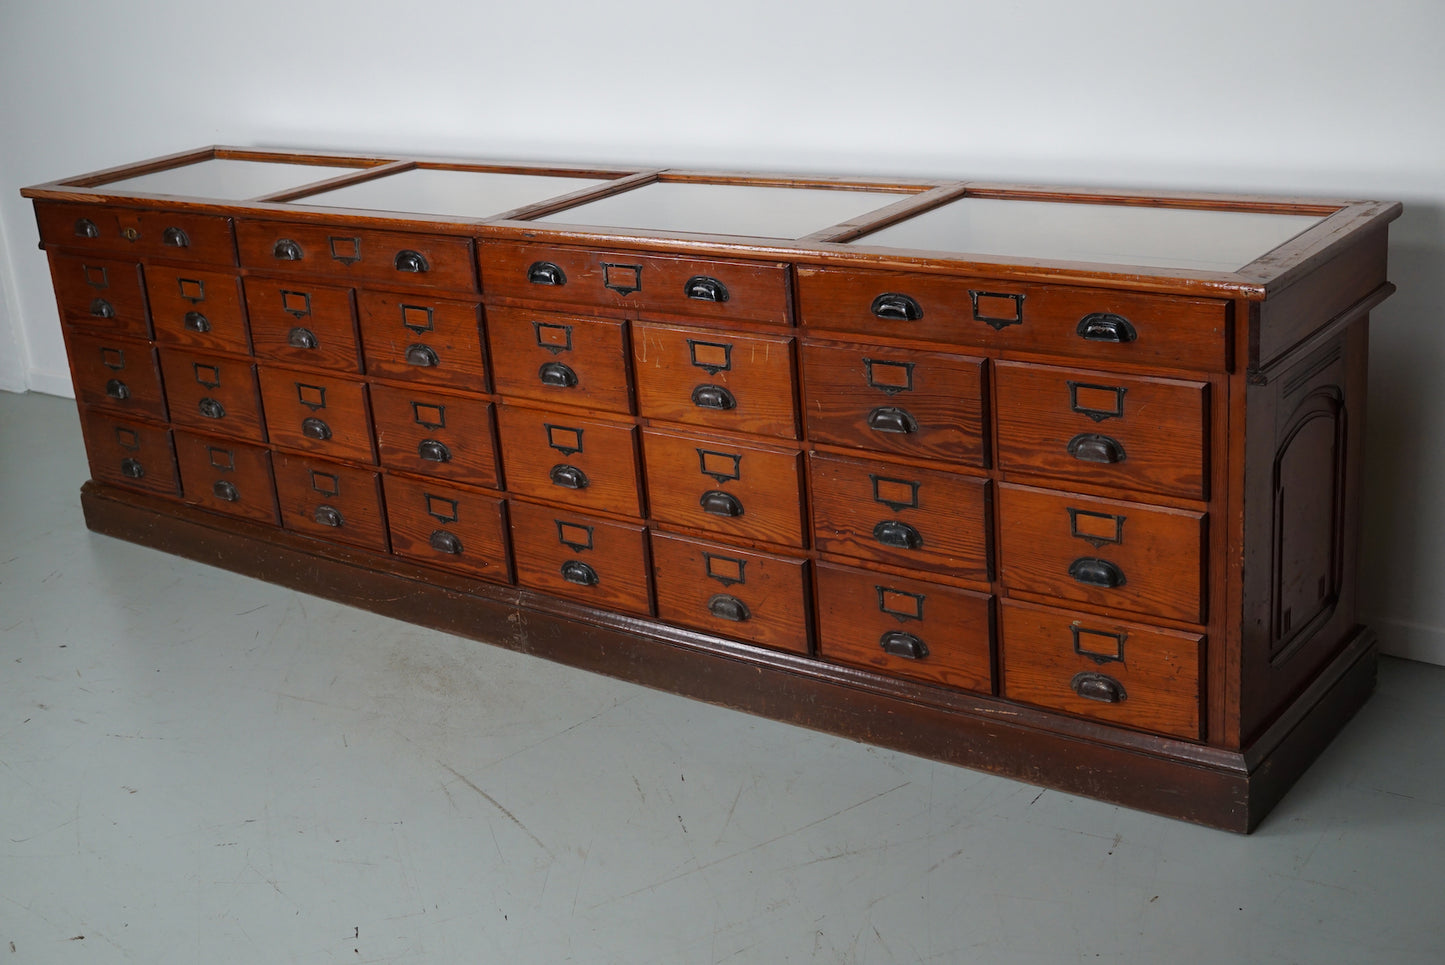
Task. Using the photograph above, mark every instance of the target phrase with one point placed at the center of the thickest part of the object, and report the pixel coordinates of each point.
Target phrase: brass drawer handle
(725, 606)
(1091, 447)
(713, 397)
(892, 532)
(545, 273)
(175, 238)
(444, 542)
(890, 418)
(1106, 327)
(896, 307)
(226, 490)
(719, 503)
(705, 289)
(1092, 685)
(301, 338)
(578, 572)
(329, 516)
(901, 644)
(1092, 571)
(412, 261)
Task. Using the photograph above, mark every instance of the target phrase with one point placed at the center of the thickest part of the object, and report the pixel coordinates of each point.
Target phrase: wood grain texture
(101, 294)
(213, 393)
(718, 380)
(1158, 553)
(331, 501)
(282, 314)
(854, 393)
(130, 453)
(594, 561)
(317, 412)
(448, 526)
(858, 609)
(701, 584)
(116, 373)
(576, 462)
(357, 255)
(423, 339)
(411, 420)
(198, 309)
(556, 359)
(1157, 673)
(227, 476)
(136, 234)
(1159, 428)
(860, 508)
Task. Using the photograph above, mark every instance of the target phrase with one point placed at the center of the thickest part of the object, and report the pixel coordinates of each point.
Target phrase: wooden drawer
(116, 373)
(1147, 559)
(449, 526)
(1132, 432)
(317, 412)
(304, 324)
(905, 627)
(744, 490)
(136, 233)
(436, 434)
(227, 476)
(1092, 323)
(198, 309)
(1122, 673)
(595, 561)
(358, 255)
(101, 294)
(757, 597)
(920, 518)
(904, 401)
(582, 463)
(425, 339)
(671, 284)
(331, 501)
(213, 394)
(566, 359)
(742, 383)
(126, 453)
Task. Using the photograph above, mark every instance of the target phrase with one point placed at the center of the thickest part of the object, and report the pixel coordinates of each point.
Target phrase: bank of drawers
(868, 483)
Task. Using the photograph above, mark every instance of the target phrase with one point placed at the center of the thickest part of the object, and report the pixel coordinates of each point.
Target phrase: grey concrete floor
(197, 767)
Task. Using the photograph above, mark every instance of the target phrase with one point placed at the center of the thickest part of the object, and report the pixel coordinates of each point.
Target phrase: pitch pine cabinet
(1059, 484)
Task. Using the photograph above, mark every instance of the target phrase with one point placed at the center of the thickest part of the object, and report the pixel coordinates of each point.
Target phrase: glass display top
(761, 211)
(1189, 238)
(442, 191)
(228, 179)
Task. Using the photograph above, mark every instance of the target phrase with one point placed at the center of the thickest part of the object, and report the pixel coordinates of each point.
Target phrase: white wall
(1331, 97)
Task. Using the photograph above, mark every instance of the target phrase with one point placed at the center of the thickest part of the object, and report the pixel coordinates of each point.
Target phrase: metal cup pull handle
(422, 356)
(725, 606)
(314, 428)
(225, 490)
(196, 322)
(719, 503)
(211, 408)
(1092, 685)
(901, 644)
(705, 289)
(100, 308)
(568, 477)
(898, 534)
(175, 238)
(890, 418)
(444, 542)
(329, 516)
(286, 250)
(412, 261)
(117, 390)
(1092, 447)
(433, 451)
(557, 375)
(545, 273)
(713, 397)
(1106, 327)
(1092, 571)
(85, 228)
(578, 572)
(302, 338)
(132, 469)
(896, 307)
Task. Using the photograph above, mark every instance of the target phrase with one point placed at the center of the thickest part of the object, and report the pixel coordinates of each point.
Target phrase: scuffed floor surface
(197, 767)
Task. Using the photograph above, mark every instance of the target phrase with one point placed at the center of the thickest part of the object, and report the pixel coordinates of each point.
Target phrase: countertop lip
(834, 246)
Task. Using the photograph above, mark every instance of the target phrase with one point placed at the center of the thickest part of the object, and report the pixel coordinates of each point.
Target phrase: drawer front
(331, 501)
(1113, 554)
(919, 518)
(304, 324)
(905, 627)
(116, 373)
(564, 359)
(742, 383)
(698, 287)
(213, 394)
(756, 597)
(581, 463)
(358, 255)
(1090, 323)
(723, 486)
(1122, 673)
(133, 454)
(912, 403)
(425, 339)
(135, 233)
(594, 561)
(1136, 433)
(448, 526)
(317, 412)
(198, 309)
(227, 476)
(101, 294)
(436, 434)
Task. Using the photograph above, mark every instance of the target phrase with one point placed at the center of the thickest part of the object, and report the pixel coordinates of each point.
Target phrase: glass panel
(228, 179)
(1205, 240)
(462, 194)
(726, 209)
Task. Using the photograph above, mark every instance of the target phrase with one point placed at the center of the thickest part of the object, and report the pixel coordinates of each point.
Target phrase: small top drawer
(359, 254)
(718, 379)
(137, 233)
(1093, 323)
(703, 288)
(1133, 432)
(302, 323)
(904, 401)
(560, 358)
